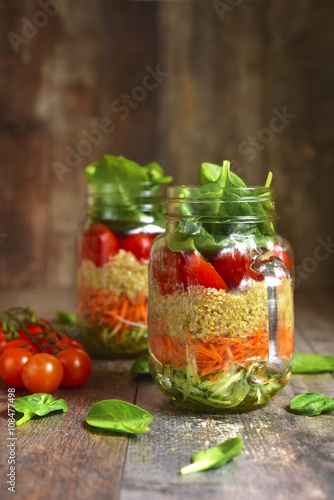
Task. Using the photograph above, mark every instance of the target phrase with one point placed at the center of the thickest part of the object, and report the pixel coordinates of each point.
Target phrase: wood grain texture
(226, 76)
(285, 456)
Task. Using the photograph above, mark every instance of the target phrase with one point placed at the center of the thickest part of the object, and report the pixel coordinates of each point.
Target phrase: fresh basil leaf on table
(119, 416)
(37, 404)
(311, 404)
(312, 363)
(140, 366)
(214, 457)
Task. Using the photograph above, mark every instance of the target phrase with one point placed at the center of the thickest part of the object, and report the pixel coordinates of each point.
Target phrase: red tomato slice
(199, 271)
(99, 244)
(139, 244)
(167, 270)
(233, 265)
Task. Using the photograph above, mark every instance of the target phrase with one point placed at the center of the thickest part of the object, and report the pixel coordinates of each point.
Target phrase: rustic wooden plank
(284, 455)
(213, 98)
(59, 453)
(300, 79)
(315, 319)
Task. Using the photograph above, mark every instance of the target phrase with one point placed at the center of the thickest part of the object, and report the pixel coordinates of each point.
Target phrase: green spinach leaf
(140, 366)
(311, 404)
(214, 457)
(312, 363)
(224, 194)
(119, 416)
(122, 191)
(37, 404)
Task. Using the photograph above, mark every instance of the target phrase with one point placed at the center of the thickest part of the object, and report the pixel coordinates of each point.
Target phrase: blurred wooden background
(66, 65)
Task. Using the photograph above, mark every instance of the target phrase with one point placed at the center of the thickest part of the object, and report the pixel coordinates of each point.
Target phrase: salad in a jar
(220, 303)
(125, 214)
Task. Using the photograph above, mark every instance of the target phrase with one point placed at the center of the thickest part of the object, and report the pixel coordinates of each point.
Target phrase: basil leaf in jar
(214, 457)
(311, 404)
(120, 416)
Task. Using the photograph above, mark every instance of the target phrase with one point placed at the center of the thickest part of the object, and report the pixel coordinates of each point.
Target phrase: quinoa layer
(122, 274)
(207, 312)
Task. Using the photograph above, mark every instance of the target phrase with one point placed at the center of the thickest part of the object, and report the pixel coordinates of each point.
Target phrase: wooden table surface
(285, 456)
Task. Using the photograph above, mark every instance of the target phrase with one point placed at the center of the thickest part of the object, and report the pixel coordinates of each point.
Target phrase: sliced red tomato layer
(233, 265)
(139, 244)
(167, 270)
(99, 244)
(199, 271)
(283, 255)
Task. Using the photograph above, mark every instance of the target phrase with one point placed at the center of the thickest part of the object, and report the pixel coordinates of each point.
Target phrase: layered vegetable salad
(208, 304)
(124, 218)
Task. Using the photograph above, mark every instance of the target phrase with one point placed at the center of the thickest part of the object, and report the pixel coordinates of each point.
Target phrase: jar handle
(278, 283)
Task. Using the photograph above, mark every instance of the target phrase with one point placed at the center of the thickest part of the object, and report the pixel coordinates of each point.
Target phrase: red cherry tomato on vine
(35, 331)
(64, 343)
(139, 244)
(99, 244)
(12, 362)
(77, 367)
(234, 264)
(20, 343)
(199, 271)
(42, 373)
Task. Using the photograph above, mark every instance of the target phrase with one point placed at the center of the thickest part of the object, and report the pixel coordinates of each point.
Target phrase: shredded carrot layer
(216, 354)
(104, 306)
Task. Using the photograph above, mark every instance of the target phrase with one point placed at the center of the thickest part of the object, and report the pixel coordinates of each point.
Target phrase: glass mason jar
(221, 321)
(113, 252)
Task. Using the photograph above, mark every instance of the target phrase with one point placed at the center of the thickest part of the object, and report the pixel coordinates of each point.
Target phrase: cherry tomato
(42, 373)
(233, 264)
(20, 343)
(12, 362)
(64, 343)
(77, 366)
(139, 244)
(35, 331)
(99, 244)
(198, 270)
(282, 254)
(167, 270)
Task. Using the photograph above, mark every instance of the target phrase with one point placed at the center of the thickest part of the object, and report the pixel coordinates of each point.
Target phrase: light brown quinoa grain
(207, 312)
(122, 274)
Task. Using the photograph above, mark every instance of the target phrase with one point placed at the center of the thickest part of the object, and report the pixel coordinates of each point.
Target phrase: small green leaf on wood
(214, 457)
(140, 366)
(37, 404)
(312, 363)
(311, 404)
(119, 416)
